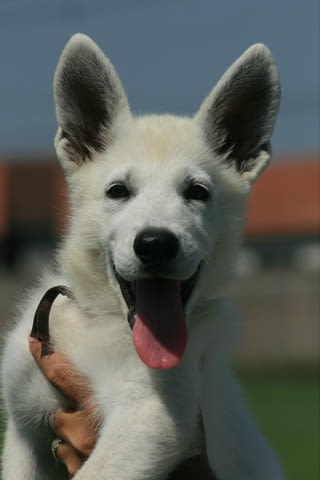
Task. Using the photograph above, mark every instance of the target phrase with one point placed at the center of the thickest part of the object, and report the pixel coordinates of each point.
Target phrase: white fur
(150, 418)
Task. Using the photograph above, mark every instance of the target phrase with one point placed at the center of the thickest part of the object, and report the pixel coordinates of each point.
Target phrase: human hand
(76, 428)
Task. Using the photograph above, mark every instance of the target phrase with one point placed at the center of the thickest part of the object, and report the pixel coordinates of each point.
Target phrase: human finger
(60, 373)
(69, 457)
(77, 428)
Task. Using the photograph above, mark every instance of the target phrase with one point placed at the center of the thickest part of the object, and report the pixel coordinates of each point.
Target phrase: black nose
(156, 246)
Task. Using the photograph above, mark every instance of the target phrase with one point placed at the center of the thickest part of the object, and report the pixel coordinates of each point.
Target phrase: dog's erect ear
(89, 100)
(239, 114)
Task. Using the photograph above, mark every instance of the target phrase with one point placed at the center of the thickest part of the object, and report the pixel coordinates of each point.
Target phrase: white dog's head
(157, 201)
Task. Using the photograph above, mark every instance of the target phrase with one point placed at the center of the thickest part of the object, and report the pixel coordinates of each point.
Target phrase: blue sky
(169, 54)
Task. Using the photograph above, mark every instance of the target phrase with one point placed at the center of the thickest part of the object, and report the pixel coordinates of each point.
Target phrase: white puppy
(156, 212)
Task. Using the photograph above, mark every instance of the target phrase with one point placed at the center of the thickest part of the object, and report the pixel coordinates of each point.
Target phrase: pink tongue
(159, 332)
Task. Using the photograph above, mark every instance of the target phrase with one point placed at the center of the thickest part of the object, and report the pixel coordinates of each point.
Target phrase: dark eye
(118, 190)
(196, 191)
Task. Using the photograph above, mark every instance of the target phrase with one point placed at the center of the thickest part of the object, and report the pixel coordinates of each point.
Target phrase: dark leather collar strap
(40, 327)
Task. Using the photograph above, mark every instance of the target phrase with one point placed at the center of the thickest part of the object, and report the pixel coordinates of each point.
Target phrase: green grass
(287, 409)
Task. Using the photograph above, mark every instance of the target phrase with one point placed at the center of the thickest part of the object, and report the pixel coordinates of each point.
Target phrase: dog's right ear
(90, 101)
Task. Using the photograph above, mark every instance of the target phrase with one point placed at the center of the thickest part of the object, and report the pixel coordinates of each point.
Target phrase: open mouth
(156, 315)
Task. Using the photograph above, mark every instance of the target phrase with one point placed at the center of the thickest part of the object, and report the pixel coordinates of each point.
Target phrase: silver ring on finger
(54, 445)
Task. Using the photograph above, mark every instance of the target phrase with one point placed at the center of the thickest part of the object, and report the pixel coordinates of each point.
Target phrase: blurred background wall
(169, 54)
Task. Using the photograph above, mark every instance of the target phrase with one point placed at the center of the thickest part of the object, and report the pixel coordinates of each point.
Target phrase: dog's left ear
(90, 102)
(239, 114)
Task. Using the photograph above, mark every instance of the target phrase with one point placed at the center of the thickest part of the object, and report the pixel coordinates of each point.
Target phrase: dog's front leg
(18, 459)
(235, 447)
(140, 443)
(24, 457)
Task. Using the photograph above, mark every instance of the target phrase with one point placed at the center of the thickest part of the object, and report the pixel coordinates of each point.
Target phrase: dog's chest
(102, 349)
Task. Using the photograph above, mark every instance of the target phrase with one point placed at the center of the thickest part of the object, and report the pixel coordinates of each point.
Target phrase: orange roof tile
(286, 200)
